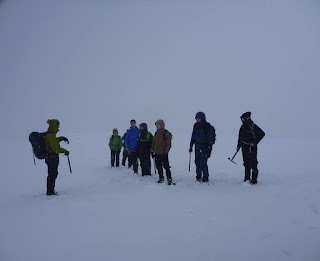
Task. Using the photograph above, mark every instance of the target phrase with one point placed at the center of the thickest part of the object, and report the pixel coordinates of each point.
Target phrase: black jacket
(202, 134)
(249, 133)
(144, 143)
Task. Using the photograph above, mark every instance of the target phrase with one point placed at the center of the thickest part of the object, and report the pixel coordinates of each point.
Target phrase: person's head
(133, 123)
(246, 117)
(115, 131)
(159, 124)
(143, 127)
(200, 117)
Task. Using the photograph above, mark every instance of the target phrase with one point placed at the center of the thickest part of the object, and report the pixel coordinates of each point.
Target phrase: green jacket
(52, 142)
(115, 142)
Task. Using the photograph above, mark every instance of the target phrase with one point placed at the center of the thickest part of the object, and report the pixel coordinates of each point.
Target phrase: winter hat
(200, 115)
(246, 116)
(144, 126)
(160, 123)
(53, 125)
(115, 130)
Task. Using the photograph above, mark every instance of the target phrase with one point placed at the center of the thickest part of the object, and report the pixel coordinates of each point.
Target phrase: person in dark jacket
(124, 151)
(131, 144)
(53, 150)
(144, 149)
(249, 137)
(203, 138)
(161, 146)
(115, 145)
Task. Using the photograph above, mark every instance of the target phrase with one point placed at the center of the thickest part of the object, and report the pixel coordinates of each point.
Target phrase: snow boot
(205, 179)
(52, 193)
(160, 180)
(199, 179)
(254, 176)
(246, 174)
(169, 182)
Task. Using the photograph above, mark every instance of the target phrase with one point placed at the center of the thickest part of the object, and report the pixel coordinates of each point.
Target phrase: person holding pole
(52, 158)
(203, 136)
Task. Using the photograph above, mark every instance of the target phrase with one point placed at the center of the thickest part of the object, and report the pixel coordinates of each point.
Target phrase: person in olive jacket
(53, 149)
(249, 136)
(115, 145)
(161, 145)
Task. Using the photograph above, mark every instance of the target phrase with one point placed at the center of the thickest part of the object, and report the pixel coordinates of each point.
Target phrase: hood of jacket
(53, 125)
(160, 123)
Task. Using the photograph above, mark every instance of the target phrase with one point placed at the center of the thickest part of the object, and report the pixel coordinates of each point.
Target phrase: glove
(190, 149)
(209, 153)
(66, 140)
(67, 153)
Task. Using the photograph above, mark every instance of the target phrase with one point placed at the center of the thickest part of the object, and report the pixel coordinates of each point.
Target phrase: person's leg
(159, 167)
(247, 172)
(167, 167)
(112, 158)
(117, 158)
(198, 164)
(124, 157)
(142, 164)
(148, 164)
(134, 162)
(53, 164)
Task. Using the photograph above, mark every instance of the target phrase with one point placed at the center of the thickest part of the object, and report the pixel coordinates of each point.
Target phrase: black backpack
(37, 142)
(213, 130)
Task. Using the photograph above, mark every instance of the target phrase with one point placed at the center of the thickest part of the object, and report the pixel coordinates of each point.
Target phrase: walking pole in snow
(34, 159)
(233, 158)
(69, 165)
(190, 162)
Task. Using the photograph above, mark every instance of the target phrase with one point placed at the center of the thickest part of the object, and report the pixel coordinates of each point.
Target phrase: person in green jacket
(53, 149)
(115, 145)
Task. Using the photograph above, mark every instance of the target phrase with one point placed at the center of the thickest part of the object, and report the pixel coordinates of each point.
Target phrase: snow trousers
(201, 162)
(145, 164)
(115, 157)
(53, 164)
(250, 162)
(162, 162)
(133, 161)
(124, 157)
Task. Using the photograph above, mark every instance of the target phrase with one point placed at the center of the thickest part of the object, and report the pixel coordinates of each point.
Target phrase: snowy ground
(111, 214)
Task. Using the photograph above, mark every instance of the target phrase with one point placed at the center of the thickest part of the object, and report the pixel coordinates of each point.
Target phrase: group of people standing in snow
(139, 143)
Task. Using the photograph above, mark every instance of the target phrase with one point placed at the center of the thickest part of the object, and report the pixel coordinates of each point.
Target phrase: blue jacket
(202, 135)
(132, 138)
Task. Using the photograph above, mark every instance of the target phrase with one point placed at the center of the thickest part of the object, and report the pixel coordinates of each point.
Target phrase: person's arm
(127, 140)
(210, 137)
(62, 138)
(239, 140)
(168, 138)
(54, 145)
(192, 141)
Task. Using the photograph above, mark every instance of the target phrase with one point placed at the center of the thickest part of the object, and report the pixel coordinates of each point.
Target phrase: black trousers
(115, 157)
(53, 164)
(133, 160)
(250, 162)
(145, 164)
(124, 157)
(162, 162)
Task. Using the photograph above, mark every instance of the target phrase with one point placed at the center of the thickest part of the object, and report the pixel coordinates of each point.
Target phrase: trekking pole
(34, 159)
(69, 165)
(233, 157)
(190, 162)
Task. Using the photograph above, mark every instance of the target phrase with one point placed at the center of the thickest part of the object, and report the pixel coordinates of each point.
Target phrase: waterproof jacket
(161, 143)
(115, 142)
(249, 133)
(202, 135)
(144, 145)
(132, 138)
(52, 142)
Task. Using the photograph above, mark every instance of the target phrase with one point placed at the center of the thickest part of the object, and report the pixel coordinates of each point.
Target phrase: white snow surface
(95, 65)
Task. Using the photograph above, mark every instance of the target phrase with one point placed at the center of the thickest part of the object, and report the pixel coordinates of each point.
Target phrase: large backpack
(213, 130)
(37, 141)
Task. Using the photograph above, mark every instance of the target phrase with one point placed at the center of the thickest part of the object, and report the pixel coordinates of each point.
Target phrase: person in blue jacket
(131, 141)
(203, 136)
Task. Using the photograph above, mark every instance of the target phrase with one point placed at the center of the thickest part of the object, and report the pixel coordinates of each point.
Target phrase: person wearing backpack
(203, 136)
(115, 145)
(144, 149)
(131, 145)
(161, 146)
(249, 137)
(53, 150)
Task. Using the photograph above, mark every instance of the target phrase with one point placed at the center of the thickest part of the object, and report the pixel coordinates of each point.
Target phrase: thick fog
(95, 65)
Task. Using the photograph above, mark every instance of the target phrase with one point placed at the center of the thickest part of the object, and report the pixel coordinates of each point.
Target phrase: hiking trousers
(53, 164)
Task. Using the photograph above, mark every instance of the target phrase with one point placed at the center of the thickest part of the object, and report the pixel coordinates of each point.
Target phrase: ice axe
(233, 157)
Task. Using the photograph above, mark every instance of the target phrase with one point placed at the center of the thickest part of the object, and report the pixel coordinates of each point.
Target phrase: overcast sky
(94, 65)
